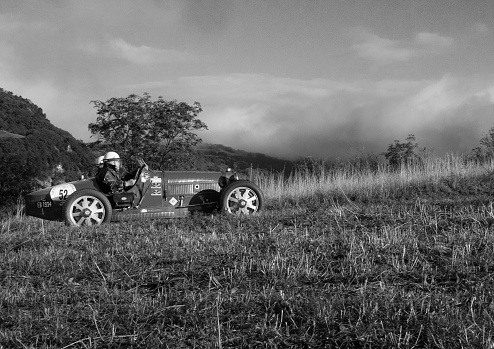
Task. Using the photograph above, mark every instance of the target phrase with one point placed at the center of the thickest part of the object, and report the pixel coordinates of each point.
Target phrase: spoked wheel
(241, 197)
(86, 207)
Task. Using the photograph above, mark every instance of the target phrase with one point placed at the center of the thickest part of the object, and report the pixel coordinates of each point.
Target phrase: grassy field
(337, 259)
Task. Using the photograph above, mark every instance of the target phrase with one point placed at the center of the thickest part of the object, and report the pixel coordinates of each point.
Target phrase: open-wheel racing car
(164, 194)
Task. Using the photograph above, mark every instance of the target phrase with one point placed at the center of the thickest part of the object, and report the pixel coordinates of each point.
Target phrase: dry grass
(369, 183)
(348, 260)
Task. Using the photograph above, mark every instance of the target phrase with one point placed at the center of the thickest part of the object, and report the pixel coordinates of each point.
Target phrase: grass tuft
(345, 260)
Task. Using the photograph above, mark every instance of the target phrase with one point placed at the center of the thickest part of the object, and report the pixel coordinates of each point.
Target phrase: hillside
(216, 156)
(5, 134)
(32, 150)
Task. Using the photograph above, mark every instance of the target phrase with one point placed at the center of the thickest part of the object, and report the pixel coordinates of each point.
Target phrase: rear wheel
(241, 197)
(86, 207)
(205, 201)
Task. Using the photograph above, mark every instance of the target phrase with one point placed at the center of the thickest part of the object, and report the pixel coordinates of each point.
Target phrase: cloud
(64, 55)
(326, 118)
(432, 39)
(211, 17)
(142, 55)
(383, 50)
(481, 28)
(386, 51)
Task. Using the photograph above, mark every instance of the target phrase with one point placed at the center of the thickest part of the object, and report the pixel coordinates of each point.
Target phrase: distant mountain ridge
(216, 156)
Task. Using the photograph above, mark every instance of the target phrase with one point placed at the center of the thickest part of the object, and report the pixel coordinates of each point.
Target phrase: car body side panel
(166, 194)
(172, 194)
(47, 203)
(150, 184)
(180, 186)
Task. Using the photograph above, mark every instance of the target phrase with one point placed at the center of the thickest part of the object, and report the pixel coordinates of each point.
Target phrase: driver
(110, 180)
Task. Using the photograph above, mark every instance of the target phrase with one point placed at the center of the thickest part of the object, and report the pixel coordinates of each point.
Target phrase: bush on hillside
(45, 155)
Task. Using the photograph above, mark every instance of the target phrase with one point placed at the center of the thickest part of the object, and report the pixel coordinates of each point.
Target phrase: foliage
(18, 170)
(162, 132)
(44, 155)
(487, 141)
(484, 152)
(402, 153)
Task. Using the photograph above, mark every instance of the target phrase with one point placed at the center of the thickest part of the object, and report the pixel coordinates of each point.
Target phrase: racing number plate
(62, 191)
(43, 204)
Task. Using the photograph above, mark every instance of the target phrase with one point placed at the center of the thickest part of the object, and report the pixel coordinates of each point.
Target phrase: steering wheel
(138, 173)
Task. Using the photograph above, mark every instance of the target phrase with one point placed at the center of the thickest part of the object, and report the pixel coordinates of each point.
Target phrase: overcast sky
(282, 77)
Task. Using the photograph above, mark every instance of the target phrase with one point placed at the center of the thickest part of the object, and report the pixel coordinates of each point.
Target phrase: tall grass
(394, 274)
(369, 182)
(15, 211)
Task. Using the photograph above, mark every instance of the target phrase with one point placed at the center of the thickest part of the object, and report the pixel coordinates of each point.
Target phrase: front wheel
(241, 197)
(86, 207)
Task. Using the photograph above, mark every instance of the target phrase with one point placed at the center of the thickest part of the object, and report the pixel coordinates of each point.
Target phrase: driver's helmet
(112, 159)
(99, 161)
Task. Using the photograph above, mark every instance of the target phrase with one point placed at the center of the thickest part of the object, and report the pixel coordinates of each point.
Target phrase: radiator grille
(190, 188)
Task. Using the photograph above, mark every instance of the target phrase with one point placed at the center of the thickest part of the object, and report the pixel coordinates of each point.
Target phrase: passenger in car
(99, 164)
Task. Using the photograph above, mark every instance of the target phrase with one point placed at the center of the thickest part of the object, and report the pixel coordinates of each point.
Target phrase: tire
(206, 207)
(241, 197)
(86, 207)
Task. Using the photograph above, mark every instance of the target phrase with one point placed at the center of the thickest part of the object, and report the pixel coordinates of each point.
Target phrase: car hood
(47, 202)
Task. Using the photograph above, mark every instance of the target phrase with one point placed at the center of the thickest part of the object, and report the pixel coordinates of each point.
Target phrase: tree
(399, 153)
(18, 170)
(488, 141)
(485, 151)
(162, 132)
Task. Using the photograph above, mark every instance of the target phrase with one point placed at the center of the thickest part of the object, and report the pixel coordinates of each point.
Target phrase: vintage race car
(164, 194)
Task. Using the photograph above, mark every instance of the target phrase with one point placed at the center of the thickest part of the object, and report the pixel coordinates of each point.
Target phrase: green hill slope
(32, 150)
(217, 156)
(5, 134)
